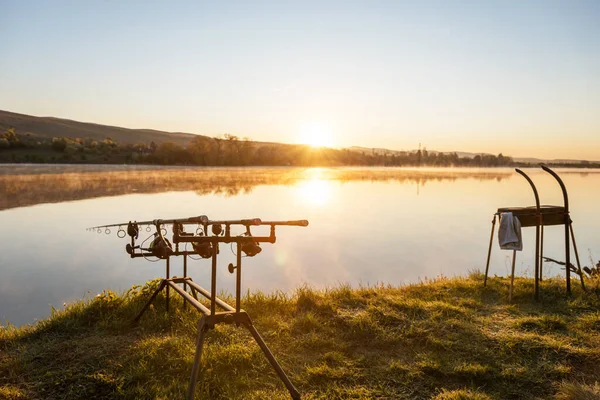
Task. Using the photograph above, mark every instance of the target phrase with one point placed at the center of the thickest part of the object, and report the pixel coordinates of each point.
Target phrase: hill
(448, 339)
(30, 139)
(464, 154)
(49, 127)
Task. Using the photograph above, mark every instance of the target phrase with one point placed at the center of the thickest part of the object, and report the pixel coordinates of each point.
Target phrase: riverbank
(444, 339)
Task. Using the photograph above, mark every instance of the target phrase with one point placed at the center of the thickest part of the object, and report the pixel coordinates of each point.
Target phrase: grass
(444, 339)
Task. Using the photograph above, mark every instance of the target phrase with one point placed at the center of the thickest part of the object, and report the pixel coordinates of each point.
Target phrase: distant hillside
(464, 154)
(49, 127)
(379, 150)
(530, 160)
(383, 151)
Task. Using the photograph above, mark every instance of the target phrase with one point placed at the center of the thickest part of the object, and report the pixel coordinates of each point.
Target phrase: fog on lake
(368, 226)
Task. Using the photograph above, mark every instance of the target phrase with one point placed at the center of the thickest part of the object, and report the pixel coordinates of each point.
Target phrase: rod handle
(300, 222)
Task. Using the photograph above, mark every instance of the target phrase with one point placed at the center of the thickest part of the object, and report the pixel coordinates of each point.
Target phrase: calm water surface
(367, 226)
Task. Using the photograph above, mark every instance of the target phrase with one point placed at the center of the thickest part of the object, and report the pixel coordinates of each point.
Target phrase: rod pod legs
(487, 265)
(203, 328)
(209, 320)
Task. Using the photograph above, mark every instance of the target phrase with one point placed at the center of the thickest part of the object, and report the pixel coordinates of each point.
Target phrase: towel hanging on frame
(509, 232)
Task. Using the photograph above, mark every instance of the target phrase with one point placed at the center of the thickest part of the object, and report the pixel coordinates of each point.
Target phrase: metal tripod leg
(185, 276)
(202, 328)
(161, 286)
(512, 276)
(577, 256)
(537, 232)
(192, 289)
(167, 286)
(536, 281)
(567, 223)
(487, 265)
(194, 293)
(542, 253)
(567, 254)
(290, 387)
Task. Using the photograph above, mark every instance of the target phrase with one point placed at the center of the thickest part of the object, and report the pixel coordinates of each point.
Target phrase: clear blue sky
(518, 77)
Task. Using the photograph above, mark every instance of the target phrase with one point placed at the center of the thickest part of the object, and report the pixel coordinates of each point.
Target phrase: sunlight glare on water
(317, 192)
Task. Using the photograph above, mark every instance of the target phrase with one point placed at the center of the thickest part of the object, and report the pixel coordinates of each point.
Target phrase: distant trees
(169, 153)
(10, 139)
(226, 150)
(488, 160)
(59, 144)
(199, 149)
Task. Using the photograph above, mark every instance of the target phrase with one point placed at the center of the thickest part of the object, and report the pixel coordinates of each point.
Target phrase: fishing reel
(251, 248)
(203, 249)
(160, 246)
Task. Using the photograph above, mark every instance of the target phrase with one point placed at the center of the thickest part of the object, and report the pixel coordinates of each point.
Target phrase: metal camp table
(539, 216)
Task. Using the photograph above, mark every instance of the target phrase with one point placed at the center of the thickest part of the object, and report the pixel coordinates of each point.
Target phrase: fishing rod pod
(204, 243)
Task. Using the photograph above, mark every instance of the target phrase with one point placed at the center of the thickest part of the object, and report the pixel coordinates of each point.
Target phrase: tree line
(224, 150)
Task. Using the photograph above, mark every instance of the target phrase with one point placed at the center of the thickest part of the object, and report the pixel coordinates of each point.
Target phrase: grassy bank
(447, 339)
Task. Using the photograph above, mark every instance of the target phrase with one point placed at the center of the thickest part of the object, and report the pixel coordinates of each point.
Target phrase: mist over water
(367, 226)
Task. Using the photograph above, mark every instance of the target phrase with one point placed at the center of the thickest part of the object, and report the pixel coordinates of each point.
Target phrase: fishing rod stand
(207, 247)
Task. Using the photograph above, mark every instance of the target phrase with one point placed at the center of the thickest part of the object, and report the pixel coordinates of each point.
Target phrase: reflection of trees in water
(24, 189)
(225, 191)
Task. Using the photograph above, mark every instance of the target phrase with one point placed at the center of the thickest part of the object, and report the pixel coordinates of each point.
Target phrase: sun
(316, 135)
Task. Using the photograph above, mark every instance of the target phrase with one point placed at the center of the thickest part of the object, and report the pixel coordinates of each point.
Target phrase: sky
(517, 77)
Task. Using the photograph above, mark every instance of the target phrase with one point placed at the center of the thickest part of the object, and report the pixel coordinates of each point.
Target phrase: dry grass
(444, 339)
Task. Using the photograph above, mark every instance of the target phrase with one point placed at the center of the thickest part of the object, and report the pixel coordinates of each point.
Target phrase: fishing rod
(133, 227)
(203, 241)
(202, 220)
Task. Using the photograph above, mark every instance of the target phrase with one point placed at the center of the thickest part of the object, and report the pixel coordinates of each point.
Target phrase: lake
(368, 226)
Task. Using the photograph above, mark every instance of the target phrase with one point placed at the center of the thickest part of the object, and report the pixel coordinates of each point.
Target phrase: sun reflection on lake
(317, 192)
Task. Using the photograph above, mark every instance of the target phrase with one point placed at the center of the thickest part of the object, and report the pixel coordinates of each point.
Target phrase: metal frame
(210, 316)
(539, 214)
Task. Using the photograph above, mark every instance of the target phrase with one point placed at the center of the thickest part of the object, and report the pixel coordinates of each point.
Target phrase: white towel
(509, 232)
